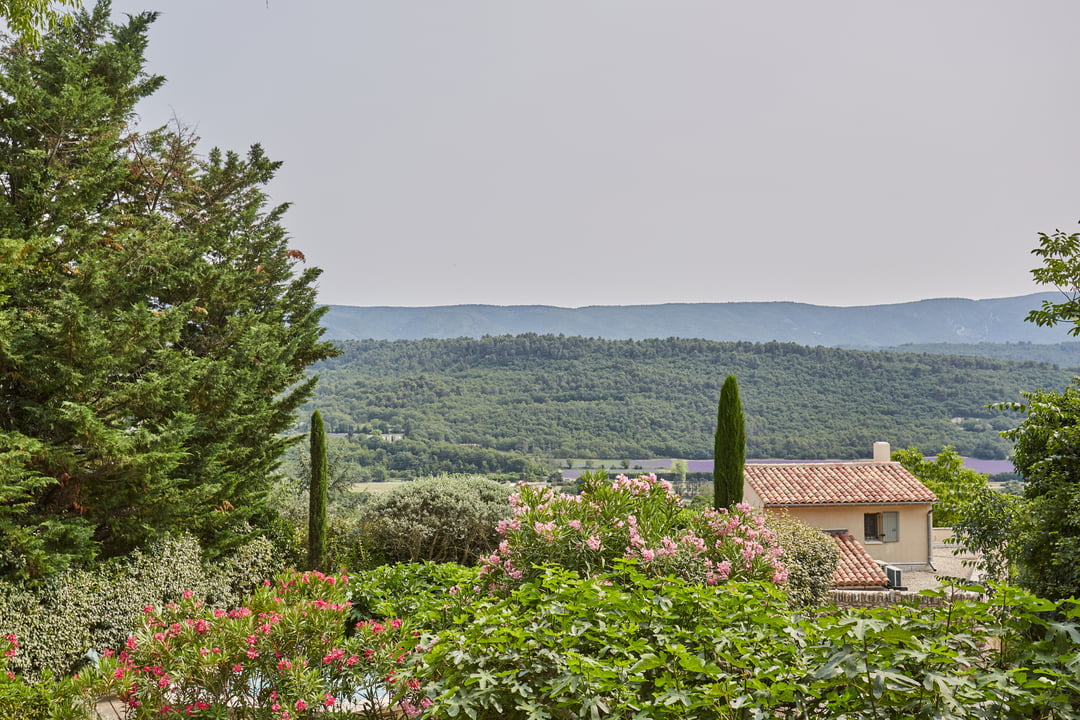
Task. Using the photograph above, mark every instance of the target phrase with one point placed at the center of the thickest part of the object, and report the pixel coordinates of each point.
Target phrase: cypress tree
(318, 491)
(729, 449)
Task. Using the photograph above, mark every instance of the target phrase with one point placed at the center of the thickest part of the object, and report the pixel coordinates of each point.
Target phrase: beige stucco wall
(911, 547)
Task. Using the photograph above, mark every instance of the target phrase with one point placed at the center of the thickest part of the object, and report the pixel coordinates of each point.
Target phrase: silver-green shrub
(449, 518)
(83, 610)
(810, 557)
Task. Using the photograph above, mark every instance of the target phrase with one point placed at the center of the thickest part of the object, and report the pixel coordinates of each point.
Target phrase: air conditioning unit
(896, 577)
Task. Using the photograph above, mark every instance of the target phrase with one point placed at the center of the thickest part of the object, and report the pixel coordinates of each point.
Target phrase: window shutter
(891, 526)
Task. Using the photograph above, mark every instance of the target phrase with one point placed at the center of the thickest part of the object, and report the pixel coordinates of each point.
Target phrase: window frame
(885, 525)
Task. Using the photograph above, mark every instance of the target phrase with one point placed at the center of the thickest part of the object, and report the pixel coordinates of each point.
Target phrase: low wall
(885, 598)
(941, 534)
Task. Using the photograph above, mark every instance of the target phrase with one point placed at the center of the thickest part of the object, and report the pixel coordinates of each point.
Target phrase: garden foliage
(451, 518)
(630, 518)
(1047, 454)
(810, 558)
(640, 646)
(83, 610)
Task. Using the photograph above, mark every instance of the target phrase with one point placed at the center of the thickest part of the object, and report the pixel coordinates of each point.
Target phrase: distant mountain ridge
(942, 320)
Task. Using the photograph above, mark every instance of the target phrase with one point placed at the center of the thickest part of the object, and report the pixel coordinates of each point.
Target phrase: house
(878, 503)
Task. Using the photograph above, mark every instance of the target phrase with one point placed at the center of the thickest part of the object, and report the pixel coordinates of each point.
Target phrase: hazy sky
(603, 152)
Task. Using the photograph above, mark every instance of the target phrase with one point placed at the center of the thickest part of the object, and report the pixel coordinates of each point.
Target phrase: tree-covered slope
(1065, 354)
(561, 397)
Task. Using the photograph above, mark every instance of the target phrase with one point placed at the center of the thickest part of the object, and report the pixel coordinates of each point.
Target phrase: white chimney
(882, 453)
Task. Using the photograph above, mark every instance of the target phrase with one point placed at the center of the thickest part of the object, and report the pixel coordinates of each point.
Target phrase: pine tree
(729, 449)
(154, 331)
(317, 491)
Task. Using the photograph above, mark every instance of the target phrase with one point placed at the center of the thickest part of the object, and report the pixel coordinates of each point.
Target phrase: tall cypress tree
(729, 448)
(317, 492)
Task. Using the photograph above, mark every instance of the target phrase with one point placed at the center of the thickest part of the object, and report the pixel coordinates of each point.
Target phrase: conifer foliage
(729, 450)
(317, 491)
(154, 323)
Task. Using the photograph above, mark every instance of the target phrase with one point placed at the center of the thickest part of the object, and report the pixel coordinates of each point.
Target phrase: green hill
(556, 397)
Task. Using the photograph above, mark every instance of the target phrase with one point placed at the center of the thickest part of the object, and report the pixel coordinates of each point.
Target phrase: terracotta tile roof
(855, 483)
(855, 567)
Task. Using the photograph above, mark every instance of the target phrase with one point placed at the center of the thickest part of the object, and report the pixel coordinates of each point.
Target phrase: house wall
(911, 549)
(750, 496)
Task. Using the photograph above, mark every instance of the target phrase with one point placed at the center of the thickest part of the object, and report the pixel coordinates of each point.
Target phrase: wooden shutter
(890, 522)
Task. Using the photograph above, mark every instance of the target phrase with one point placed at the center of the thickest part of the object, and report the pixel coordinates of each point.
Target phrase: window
(881, 527)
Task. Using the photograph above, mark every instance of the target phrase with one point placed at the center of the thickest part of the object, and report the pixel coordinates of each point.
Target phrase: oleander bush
(284, 654)
(450, 518)
(810, 557)
(639, 519)
(81, 611)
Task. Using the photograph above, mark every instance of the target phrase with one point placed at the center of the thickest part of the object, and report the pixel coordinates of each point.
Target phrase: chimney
(882, 452)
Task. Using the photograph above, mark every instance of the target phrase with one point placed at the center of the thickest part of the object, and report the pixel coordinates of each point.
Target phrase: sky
(625, 152)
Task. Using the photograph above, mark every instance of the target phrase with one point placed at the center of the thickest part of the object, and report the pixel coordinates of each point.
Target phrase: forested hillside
(1065, 354)
(556, 397)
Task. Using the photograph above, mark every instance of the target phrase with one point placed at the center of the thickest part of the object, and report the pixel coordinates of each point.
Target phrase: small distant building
(877, 504)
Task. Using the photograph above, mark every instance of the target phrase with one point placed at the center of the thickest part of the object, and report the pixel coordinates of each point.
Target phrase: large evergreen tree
(729, 449)
(153, 329)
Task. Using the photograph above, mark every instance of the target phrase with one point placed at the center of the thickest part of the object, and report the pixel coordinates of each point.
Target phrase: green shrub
(46, 699)
(810, 557)
(428, 593)
(80, 610)
(450, 518)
